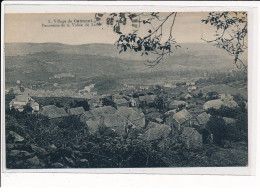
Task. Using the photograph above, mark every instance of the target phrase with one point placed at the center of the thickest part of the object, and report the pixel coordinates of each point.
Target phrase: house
(230, 103)
(211, 95)
(86, 116)
(156, 131)
(148, 99)
(20, 101)
(176, 104)
(192, 83)
(144, 87)
(93, 126)
(115, 123)
(35, 106)
(95, 102)
(121, 102)
(226, 97)
(191, 88)
(171, 112)
(180, 119)
(76, 111)
(159, 120)
(99, 112)
(202, 119)
(133, 102)
(169, 85)
(53, 112)
(187, 96)
(133, 116)
(191, 138)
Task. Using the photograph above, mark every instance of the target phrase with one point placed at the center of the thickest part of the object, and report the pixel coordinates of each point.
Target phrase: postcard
(126, 90)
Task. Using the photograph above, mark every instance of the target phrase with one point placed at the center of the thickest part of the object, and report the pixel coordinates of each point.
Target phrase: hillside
(38, 62)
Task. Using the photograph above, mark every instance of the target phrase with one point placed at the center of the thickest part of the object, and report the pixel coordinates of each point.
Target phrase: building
(156, 131)
(191, 138)
(175, 104)
(226, 97)
(121, 102)
(192, 88)
(20, 101)
(187, 96)
(148, 99)
(95, 102)
(133, 102)
(180, 119)
(53, 112)
(133, 116)
(202, 119)
(192, 83)
(144, 87)
(76, 111)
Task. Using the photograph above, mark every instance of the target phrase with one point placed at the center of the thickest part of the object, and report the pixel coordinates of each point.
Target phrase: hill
(38, 62)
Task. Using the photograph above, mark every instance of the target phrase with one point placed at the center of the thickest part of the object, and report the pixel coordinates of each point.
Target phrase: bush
(216, 125)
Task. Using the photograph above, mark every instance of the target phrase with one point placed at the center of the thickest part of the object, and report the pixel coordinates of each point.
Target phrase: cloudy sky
(32, 28)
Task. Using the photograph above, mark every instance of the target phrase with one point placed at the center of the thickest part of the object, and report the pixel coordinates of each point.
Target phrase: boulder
(17, 138)
(156, 131)
(14, 152)
(58, 165)
(39, 150)
(191, 138)
(34, 161)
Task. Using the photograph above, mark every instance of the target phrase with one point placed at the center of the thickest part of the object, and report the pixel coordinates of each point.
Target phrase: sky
(32, 28)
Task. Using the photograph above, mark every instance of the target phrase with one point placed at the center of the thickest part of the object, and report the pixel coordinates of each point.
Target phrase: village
(151, 112)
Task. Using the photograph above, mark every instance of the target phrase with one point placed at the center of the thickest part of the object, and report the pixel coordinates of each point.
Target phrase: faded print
(126, 90)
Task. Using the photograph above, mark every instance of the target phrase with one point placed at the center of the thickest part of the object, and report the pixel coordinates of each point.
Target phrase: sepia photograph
(126, 90)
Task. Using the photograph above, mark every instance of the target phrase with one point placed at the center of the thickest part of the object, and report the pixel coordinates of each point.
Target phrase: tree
(153, 42)
(216, 125)
(158, 41)
(230, 34)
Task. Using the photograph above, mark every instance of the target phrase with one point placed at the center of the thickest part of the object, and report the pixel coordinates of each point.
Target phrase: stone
(39, 150)
(191, 138)
(14, 152)
(34, 161)
(58, 165)
(17, 138)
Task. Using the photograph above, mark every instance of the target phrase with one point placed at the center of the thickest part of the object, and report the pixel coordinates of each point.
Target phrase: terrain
(37, 62)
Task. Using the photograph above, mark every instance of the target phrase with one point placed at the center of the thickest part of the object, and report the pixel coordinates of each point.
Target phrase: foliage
(231, 34)
(216, 125)
(152, 42)
(27, 108)
(107, 101)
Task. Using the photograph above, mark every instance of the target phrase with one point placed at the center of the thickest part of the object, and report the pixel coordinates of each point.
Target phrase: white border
(51, 7)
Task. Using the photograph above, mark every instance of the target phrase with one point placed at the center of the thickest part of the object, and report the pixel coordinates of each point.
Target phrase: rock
(9, 146)
(25, 153)
(42, 164)
(58, 165)
(156, 131)
(17, 138)
(14, 152)
(39, 150)
(69, 160)
(34, 161)
(84, 160)
(53, 147)
(191, 138)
